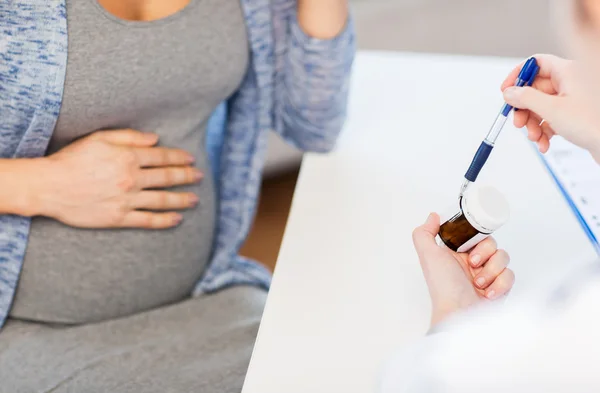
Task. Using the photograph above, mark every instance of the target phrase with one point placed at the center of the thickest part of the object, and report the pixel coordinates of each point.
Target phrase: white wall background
(515, 28)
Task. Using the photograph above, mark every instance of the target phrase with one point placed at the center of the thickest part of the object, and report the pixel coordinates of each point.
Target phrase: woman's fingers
(162, 156)
(148, 220)
(157, 200)
(492, 269)
(482, 252)
(126, 138)
(168, 177)
(501, 286)
(163, 200)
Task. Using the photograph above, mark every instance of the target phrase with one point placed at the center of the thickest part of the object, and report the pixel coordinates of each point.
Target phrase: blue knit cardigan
(296, 85)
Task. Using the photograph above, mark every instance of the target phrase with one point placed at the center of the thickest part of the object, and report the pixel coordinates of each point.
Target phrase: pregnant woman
(132, 138)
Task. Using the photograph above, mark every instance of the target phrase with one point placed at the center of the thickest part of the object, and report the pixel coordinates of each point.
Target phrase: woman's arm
(19, 180)
(323, 19)
(313, 76)
(109, 179)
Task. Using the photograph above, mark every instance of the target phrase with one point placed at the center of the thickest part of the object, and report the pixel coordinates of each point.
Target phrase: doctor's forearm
(323, 19)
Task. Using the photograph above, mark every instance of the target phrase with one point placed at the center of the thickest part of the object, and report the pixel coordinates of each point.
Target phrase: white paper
(579, 176)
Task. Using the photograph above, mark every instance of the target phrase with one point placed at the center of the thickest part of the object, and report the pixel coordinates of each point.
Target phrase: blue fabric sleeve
(312, 97)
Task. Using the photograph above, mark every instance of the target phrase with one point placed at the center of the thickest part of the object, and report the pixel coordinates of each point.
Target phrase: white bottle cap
(485, 208)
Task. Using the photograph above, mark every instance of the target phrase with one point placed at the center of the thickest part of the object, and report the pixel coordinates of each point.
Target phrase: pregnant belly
(77, 276)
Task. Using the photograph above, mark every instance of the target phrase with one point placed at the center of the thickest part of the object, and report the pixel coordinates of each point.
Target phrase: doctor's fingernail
(480, 282)
(491, 295)
(430, 219)
(511, 92)
(475, 259)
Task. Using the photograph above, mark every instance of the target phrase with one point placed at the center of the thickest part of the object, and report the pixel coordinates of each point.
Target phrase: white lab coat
(545, 341)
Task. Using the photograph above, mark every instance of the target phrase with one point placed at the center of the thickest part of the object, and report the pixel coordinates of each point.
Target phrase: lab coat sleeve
(411, 370)
(545, 341)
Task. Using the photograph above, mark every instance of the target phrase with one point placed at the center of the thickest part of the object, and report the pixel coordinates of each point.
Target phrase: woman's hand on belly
(116, 179)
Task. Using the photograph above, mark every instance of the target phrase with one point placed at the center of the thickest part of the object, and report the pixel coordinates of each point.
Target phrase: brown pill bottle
(482, 211)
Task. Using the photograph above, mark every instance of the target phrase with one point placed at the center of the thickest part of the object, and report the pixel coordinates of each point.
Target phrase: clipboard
(577, 175)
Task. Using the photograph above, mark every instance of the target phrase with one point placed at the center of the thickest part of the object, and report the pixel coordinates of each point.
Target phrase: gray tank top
(165, 76)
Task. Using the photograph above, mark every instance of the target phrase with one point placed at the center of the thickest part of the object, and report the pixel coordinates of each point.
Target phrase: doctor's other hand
(554, 105)
(458, 281)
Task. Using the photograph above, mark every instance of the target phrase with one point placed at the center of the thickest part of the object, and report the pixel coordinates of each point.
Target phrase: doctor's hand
(554, 98)
(458, 281)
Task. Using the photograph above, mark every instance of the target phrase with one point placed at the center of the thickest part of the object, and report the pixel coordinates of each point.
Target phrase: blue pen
(526, 78)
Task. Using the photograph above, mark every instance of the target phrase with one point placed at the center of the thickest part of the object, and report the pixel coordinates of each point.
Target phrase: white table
(348, 289)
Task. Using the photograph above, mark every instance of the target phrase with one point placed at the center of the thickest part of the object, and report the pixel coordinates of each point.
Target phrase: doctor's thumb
(544, 105)
(424, 236)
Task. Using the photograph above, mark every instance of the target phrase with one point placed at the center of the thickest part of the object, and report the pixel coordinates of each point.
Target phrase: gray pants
(199, 345)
